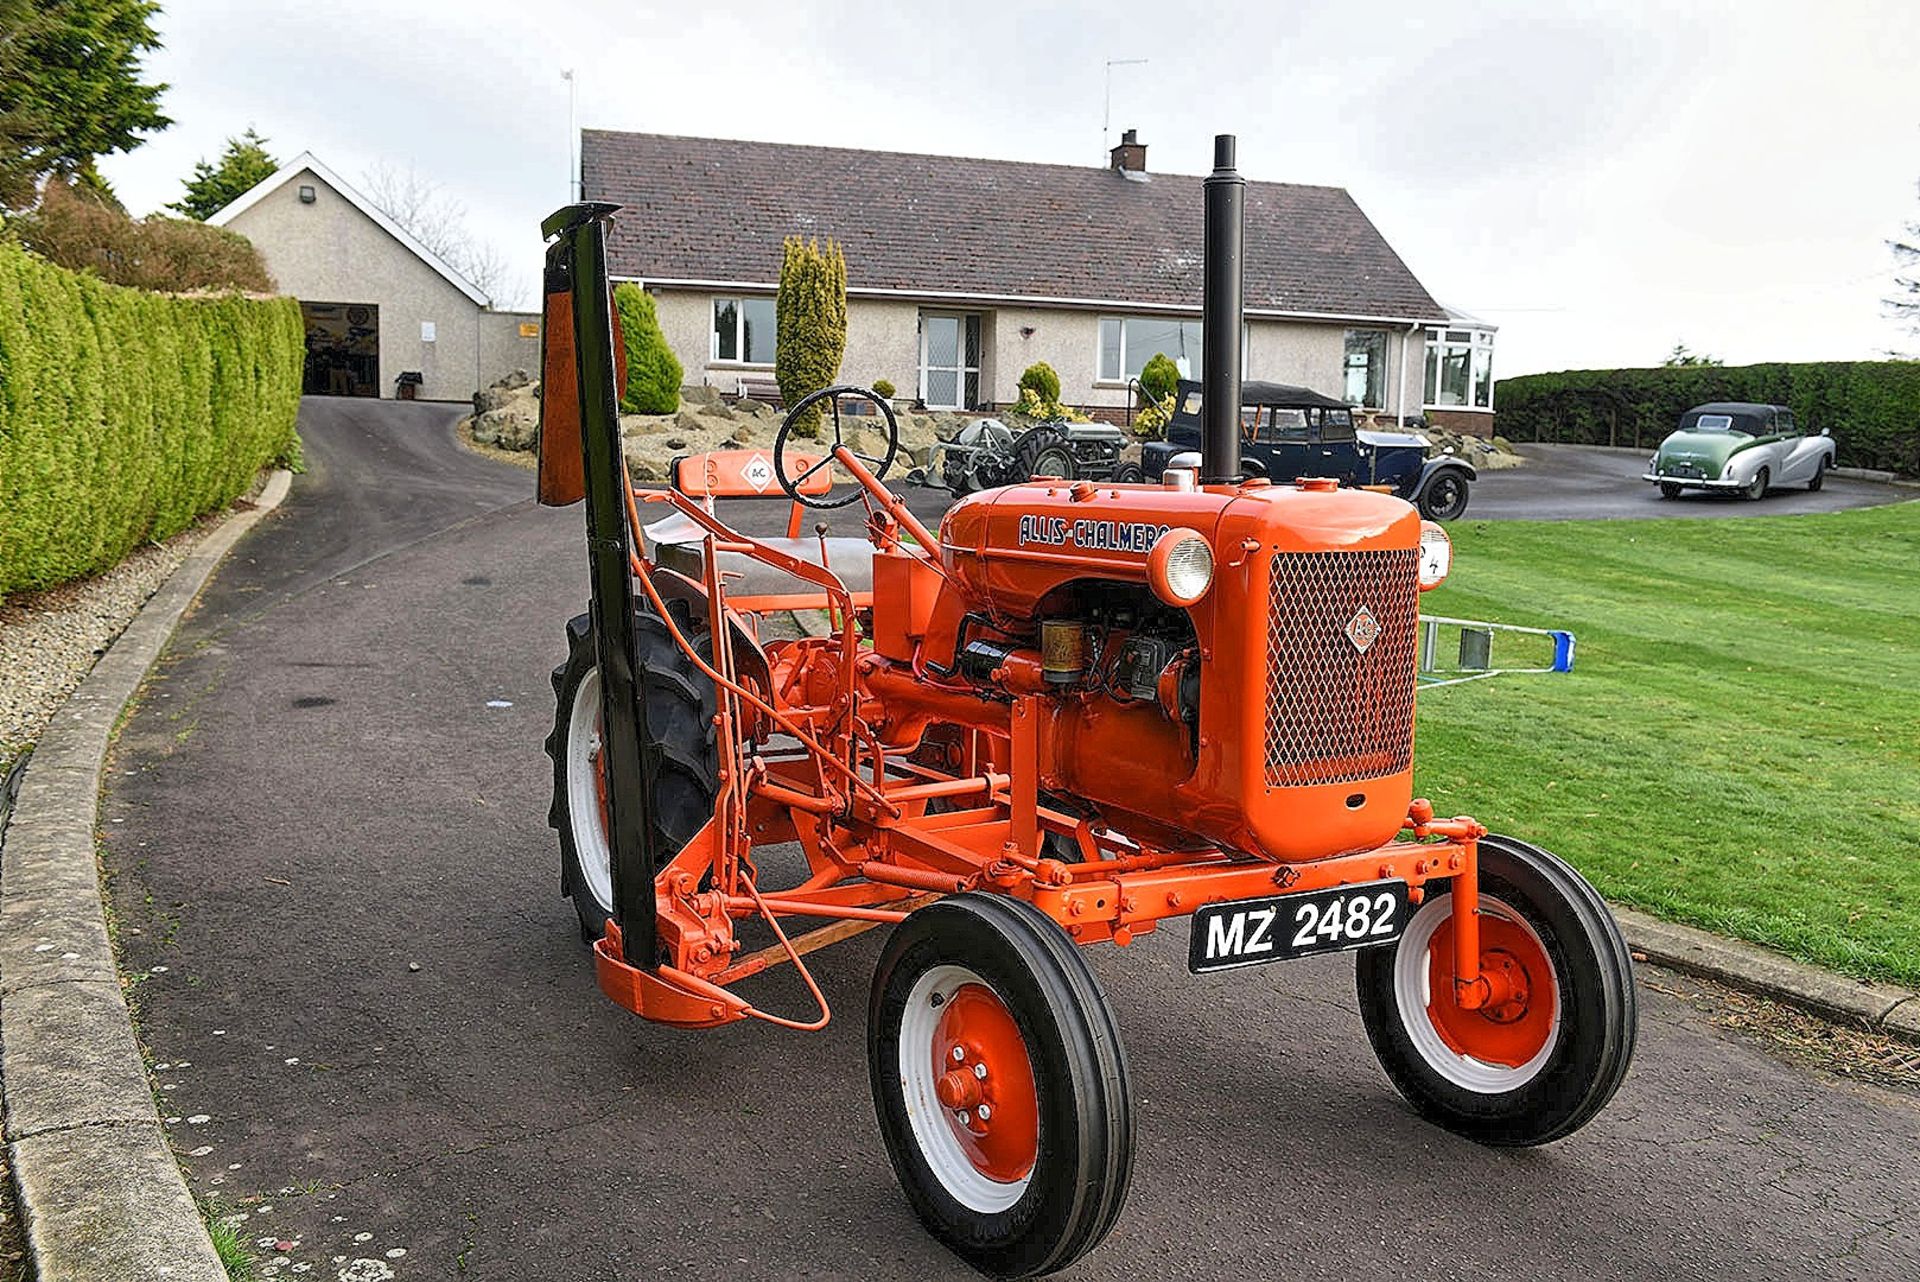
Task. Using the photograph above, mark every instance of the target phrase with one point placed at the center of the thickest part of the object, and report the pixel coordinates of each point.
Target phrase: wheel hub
(985, 1083)
(1510, 1025)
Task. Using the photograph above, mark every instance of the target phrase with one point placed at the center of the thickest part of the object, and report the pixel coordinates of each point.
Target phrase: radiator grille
(1341, 641)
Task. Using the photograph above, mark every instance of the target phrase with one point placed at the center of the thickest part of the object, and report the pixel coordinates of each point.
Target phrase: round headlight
(1436, 555)
(1180, 567)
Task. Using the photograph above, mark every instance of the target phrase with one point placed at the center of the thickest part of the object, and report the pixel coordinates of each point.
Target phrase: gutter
(1035, 300)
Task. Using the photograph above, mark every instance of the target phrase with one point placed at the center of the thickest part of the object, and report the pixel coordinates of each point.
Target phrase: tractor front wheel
(1000, 1084)
(1544, 1056)
(680, 708)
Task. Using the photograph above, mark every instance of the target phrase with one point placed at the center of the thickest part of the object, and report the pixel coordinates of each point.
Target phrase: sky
(1600, 180)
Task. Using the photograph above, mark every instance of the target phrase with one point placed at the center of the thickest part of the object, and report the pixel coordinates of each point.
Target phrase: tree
(439, 222)
(653, 371)
(1682, 357)
(810, 323)
(1903, 305)
(70, 89)
(242, 166)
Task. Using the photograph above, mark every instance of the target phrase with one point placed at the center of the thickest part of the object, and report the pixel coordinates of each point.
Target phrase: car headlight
(1180, 567)
(1436, 555)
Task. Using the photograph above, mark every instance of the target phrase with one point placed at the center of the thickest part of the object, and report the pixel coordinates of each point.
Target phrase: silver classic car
(1733, 445)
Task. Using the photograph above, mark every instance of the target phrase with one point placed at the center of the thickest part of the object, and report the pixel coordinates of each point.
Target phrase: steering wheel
(877, 465)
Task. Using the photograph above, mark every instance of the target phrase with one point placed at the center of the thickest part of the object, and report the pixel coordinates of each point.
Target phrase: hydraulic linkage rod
(579, 254)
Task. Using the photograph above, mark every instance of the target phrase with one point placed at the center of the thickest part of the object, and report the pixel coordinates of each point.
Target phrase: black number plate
(1248, 932)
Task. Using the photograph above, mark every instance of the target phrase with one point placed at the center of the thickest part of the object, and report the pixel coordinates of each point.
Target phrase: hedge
(124, 414)
(1871, 407)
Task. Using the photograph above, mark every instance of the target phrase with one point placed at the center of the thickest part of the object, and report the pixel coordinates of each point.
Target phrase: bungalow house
(962, 272)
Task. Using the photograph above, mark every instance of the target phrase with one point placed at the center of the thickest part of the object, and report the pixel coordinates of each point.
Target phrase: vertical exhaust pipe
(1221, 313)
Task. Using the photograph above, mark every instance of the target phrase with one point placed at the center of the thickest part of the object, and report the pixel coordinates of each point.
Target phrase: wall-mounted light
(306, 194)
(1026, 331)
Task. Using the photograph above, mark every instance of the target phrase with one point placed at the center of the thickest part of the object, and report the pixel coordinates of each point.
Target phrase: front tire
(680, 710)
(1129, 474)
(1538, 1065)
(1757, 488)
(1668, 490)
(1445, 497)
(1819, 477)
(1000, 1084)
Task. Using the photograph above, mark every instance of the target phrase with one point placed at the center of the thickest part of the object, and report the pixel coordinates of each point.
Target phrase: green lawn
(1739, 744)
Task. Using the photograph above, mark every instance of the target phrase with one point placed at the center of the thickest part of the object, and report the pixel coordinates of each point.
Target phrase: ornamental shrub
(126, 414)
(653, 371)
(1159, 378)
(883, 389)
(810, 324)
(1871, 407)
(177, 255)
(1041, 380)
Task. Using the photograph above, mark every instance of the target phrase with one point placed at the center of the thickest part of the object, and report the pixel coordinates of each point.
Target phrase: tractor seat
(678, 544)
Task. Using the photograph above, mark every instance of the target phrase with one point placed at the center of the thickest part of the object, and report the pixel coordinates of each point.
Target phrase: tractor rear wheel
(1000, 1084)
(1540, 1060)
(680, 709)
(1043, 454)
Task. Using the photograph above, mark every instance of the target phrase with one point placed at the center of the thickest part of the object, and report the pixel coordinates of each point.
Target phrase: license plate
(1248, 932)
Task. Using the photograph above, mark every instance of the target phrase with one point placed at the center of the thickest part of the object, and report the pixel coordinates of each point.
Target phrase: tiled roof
(706, 209)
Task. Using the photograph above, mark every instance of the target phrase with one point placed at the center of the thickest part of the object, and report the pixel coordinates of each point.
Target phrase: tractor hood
(1708, 451)
(1369, 436)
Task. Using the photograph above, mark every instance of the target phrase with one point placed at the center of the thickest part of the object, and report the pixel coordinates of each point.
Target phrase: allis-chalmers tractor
(1078, 711)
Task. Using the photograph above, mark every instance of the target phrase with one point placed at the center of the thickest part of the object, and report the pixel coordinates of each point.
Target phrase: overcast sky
(1601, 180)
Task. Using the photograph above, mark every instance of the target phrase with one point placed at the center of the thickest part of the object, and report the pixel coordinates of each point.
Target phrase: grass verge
(235, 1254)
(1738, 746)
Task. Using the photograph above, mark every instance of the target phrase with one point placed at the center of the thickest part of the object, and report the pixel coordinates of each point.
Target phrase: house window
(949, 360)
(1460, 368)
(1366, 366)
(743, 330)
(1127, 343)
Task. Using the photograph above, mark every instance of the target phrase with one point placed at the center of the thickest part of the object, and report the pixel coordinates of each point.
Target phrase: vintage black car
(1289, 432)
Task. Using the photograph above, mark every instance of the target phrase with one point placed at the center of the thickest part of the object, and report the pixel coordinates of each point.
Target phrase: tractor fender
(1435, 466)
(750, 661)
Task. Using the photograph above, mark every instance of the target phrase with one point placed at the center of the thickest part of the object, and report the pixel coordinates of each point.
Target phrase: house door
(950, 360)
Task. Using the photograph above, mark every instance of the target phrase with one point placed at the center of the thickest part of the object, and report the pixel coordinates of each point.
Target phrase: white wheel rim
(590, 847)
(1412, 994)
(932, 1134)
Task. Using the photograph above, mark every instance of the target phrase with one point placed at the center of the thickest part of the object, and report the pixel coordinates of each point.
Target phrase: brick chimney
(1130, 157)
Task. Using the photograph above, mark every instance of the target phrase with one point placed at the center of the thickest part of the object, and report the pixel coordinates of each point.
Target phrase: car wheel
(1819, 477)
(1444, 498)
(1758, 488)
(1668, 490)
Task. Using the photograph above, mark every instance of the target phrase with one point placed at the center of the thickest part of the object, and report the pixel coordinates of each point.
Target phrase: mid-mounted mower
(1078, 711)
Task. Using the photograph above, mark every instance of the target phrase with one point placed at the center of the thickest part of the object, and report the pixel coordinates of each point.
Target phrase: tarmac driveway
(374, 1022)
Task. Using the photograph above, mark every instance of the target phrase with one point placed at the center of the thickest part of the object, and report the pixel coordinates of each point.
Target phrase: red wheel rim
(1516, 1022)
(984, 1080)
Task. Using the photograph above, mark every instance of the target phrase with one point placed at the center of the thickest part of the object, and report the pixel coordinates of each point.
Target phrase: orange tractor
(1077, 711)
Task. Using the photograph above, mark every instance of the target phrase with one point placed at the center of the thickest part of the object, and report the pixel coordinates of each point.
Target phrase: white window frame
(1478, 342)
(1386, 362)
(960, 368)
(1120, 318)
(739, 331)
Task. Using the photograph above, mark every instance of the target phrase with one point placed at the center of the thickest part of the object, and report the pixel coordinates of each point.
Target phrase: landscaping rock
(702, 395)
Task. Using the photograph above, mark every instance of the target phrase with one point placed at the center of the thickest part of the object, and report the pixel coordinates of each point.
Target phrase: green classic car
(1737, 446)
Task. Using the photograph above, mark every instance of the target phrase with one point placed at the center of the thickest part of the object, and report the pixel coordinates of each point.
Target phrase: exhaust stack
(1221, 315)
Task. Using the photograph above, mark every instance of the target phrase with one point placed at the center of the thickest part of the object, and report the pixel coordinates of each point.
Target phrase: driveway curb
(101, 1194)
(1862, 1003)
